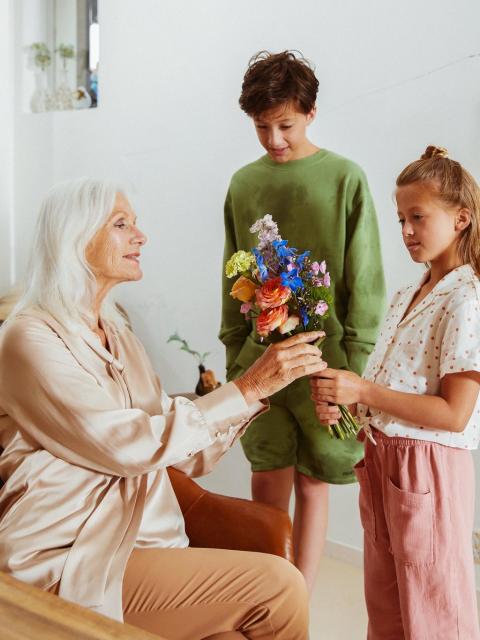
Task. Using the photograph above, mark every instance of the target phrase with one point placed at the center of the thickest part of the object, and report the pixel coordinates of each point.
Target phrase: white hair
(58, 278)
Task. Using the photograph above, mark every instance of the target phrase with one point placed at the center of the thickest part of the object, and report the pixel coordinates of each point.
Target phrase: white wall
(33, 133)
(394, 77)
(6, 147)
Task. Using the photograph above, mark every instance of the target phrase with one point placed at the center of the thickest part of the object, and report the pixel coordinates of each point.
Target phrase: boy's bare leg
(309, 525)
(311, 513)
(273, 487)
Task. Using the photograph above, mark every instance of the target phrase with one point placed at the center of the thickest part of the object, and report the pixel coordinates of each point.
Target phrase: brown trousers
(215, 594)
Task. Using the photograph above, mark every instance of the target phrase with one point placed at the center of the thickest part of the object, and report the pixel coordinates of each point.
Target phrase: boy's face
(282, 133)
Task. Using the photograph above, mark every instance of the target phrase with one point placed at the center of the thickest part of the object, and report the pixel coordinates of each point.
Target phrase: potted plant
(207, 381)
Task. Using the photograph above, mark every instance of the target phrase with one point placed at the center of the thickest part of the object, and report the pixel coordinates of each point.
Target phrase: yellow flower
(238, 263)
(243, 289)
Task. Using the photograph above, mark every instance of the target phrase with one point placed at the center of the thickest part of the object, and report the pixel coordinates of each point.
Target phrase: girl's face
(430, 228)
(113, 254)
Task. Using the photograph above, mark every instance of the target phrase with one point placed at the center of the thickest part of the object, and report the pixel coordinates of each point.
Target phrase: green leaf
(185, 347)
(322, 293)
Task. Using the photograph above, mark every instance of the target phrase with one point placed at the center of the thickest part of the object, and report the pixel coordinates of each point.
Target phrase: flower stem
(347, 427)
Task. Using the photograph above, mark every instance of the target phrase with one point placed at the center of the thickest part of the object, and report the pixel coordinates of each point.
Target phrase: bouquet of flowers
(283, 290)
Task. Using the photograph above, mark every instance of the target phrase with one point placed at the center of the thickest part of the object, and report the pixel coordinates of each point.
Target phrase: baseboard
(344, 553)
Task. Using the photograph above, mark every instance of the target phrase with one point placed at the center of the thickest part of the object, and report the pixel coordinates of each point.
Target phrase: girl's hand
(337, 386)
(281, 364)
(326, 413)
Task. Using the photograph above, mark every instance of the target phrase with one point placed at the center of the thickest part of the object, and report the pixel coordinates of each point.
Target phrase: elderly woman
(87, 509)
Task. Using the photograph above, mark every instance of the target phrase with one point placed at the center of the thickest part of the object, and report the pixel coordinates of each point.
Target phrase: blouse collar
(446, 285)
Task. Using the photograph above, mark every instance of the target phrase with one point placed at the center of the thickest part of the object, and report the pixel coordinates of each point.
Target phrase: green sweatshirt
(321, 203)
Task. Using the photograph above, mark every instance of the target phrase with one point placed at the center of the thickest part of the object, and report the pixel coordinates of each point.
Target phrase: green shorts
(290, 435)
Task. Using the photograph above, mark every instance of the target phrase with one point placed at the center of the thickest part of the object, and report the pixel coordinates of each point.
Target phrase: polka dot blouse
(440, 335)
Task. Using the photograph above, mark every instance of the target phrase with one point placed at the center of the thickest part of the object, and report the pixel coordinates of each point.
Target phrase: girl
(419, 405)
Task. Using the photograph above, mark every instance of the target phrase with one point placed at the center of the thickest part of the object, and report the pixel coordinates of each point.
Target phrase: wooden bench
(28, 613)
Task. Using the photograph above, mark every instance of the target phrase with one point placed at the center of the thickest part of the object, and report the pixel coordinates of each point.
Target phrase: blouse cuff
(225, 410)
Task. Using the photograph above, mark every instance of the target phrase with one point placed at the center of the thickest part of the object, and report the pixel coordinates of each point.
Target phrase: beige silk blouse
(87, 434)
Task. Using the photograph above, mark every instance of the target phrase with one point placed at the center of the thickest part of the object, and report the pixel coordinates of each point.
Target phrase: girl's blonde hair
(455, 186)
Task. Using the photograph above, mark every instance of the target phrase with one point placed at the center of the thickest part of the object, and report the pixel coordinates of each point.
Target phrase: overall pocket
(411, 525)
(365, 499)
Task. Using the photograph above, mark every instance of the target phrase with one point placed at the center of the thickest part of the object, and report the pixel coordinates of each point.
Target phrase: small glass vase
(41, 99)
(63, 93)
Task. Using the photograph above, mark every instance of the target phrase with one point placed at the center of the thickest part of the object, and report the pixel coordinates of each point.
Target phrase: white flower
(267, 230)
(289, 325)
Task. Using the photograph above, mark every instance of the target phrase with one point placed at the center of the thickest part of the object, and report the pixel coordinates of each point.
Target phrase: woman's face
(113, 254)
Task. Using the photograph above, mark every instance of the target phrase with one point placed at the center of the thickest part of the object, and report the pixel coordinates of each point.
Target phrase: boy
(321, 202)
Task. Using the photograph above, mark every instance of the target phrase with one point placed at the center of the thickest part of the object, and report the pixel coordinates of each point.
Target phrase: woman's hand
(281, 364)
(337, 386)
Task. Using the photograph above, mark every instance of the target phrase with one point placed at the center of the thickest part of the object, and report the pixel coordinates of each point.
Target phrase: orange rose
(271, 319)
(272, 294)
(243, 289)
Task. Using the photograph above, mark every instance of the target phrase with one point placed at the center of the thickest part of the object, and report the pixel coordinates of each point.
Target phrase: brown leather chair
(221, 522)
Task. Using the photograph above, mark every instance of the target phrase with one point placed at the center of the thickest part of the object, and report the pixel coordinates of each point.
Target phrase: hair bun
(434, 152)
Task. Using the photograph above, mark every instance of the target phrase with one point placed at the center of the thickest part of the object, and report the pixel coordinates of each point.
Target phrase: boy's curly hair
(275, 79)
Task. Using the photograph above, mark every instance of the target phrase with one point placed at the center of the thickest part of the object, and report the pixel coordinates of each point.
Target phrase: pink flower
(289, 325)
(321, 308)
(246, 306)
(326, 279)
(323, 267)
(315, 268)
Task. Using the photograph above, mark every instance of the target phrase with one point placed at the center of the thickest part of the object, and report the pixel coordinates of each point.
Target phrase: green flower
(239, 263)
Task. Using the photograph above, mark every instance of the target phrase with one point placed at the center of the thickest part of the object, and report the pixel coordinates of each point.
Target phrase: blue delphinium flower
(291, 279)
(303, 315)
(301, 259)
(262, 269)
(282, 249)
